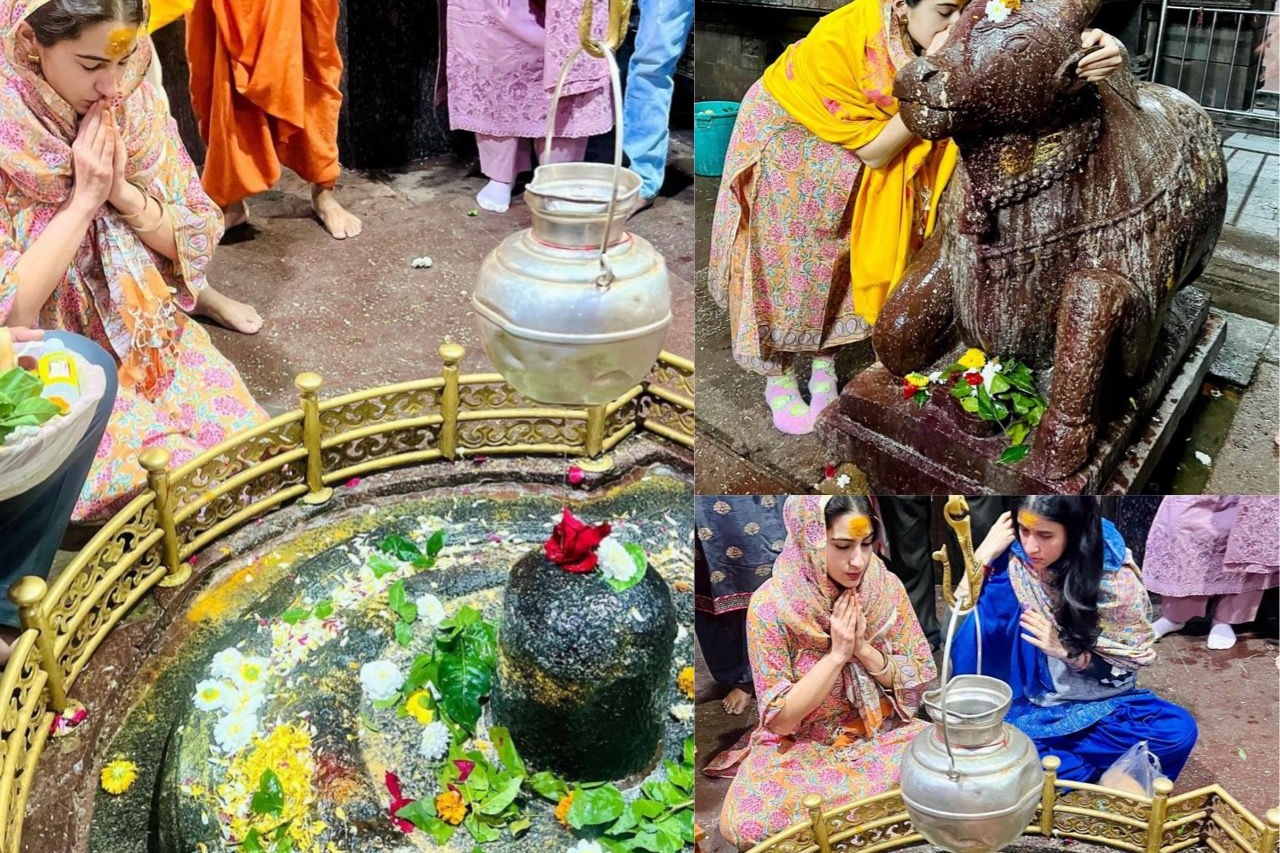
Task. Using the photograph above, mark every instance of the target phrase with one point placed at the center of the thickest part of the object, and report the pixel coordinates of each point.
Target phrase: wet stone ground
(310, 608)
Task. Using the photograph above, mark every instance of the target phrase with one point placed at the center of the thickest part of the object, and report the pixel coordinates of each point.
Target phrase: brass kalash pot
(574, 310)
(970, 782)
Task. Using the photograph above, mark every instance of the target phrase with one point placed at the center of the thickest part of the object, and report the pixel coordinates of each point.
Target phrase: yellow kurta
(838, 83)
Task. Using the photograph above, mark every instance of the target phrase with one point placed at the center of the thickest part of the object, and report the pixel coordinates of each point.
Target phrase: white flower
(430, 610)
(989, 370)
(250, 673)
(234, 731)
(435, 741)
(225, 663)
(682, 712)
(210, 695)
(997, 10)
(381, 679)
(242, 701)
(615, 563)
(585, 846)
(842, 481)
(936, 376)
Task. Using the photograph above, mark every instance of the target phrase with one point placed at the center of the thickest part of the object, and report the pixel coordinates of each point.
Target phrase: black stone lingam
(582, 670)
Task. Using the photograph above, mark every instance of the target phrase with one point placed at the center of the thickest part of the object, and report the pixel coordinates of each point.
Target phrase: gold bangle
(154, 226)
(130, 217)
(888, 664)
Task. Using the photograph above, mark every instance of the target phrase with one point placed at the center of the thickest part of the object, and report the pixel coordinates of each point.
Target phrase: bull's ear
(1068, 75)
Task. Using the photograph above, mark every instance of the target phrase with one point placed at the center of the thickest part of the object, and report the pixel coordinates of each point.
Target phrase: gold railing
(1204, 818)
(298, 455)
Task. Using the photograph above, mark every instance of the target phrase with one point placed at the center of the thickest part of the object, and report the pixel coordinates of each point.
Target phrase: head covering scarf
(838, 83)
(37, 129)
(801, 574)
(1125, 635)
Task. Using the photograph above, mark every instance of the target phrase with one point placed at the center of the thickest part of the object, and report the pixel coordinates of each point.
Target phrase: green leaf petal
(645, 810)
(520, 825)
(970, 405)
(419, 812)
(548, 785)
(1018, 432)
(463, 680)
(501, 798)
(251, 844)
(18, 385)
(269, 798)
(999, 384)
(436, 543)
(294, 615)
(482, 832)
(324, 609)
(1013, 454)
(688, 751)
(36, 407)
(399, 547)
(593, 806)
(380, 565)
(506, 750)
(404, 634)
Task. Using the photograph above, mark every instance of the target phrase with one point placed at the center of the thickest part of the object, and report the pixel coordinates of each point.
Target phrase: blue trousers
(646, 105)
(32, 523)
(1169, 730)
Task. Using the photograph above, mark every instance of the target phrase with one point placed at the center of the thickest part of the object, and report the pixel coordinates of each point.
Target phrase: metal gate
(1226, 57)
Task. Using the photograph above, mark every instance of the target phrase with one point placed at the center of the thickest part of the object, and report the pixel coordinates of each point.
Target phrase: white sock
(495, 196)
(1221, 636)
(1164, 626)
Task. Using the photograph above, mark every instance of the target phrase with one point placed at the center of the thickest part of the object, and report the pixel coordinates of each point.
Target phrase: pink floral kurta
(193, 397)
(830, 754)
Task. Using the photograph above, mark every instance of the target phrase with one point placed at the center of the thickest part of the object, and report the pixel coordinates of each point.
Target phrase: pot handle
(606, 276)
(953, 774)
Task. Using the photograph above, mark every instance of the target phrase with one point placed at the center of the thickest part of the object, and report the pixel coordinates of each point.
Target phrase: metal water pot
(574, 310)
(971, 781)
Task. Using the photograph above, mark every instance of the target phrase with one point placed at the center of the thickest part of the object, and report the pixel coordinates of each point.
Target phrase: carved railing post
(308, 384)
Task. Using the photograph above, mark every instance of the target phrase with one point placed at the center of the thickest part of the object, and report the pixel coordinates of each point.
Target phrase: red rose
(973, 378)
(576, 475)
(908, 390)
(573, 543)
(398, 802)
(828, 471)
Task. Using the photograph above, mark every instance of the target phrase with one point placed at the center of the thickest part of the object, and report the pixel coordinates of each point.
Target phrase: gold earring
(33, 58)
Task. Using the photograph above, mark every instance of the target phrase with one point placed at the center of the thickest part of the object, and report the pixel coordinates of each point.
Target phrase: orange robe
(264, 84)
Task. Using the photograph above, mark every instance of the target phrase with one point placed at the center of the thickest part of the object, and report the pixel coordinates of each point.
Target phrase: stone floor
(1226, 442)
(357, 314)
(1234, 696)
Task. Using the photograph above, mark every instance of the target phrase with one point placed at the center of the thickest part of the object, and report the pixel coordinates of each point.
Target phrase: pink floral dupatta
(801, 575)
(132, 288)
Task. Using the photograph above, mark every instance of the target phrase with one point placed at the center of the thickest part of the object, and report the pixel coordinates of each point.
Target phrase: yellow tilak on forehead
(1027, 518)
(120, 41)
(857, 528)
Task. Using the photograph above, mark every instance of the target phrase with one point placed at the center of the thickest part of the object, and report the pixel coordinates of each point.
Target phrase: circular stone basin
(304, 613)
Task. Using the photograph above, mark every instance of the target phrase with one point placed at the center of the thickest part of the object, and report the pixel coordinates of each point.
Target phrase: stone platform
(907, 449)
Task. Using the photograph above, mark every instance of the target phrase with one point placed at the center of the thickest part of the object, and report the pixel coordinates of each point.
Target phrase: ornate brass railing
(298, 455)
(1204, 818)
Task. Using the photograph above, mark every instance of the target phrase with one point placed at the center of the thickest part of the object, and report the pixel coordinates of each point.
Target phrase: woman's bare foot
(234, 215)
(222, 309)
(336, 219)
(736, 701)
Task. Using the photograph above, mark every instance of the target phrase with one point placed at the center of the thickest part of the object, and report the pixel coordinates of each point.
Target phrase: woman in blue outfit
(1066, 622)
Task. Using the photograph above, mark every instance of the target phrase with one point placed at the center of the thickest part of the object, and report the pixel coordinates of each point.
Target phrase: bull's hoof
(1061, 447)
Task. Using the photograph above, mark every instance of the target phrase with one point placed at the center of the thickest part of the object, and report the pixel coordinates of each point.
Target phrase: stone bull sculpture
(1077, 212)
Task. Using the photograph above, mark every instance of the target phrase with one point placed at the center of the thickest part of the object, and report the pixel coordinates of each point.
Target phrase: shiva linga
(970, 782)
(574, 310)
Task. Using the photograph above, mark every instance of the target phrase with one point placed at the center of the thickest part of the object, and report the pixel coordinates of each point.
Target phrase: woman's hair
(856, 504)
(59, 20)
(1076, 574)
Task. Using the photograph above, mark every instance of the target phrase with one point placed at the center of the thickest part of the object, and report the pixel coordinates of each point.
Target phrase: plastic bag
(1135, 772)
(27, 460)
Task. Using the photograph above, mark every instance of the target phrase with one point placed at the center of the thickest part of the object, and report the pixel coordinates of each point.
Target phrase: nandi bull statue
(1076, 214)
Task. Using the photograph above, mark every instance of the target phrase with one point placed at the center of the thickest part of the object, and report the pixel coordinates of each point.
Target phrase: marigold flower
(450, 808)
(419, 707)
(972, 359)
(562, 808)
(918, 380)
(118, 776)
(684, 681)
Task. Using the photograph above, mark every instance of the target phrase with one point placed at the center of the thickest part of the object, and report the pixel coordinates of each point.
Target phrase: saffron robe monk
(264, 84)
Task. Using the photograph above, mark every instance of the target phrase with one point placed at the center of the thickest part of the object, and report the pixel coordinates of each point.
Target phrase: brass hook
(616, 32)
